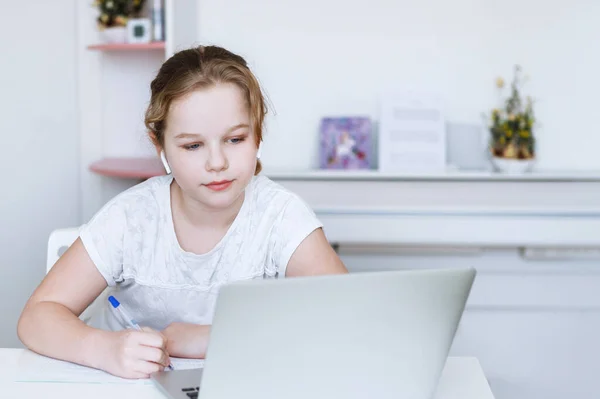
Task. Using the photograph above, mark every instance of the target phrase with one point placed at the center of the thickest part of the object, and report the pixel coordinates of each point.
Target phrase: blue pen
(117, 305)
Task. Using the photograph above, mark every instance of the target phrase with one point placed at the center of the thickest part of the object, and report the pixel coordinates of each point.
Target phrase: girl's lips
(219, 185)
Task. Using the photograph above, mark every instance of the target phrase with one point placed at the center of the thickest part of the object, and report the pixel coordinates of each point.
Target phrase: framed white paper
(412, 134)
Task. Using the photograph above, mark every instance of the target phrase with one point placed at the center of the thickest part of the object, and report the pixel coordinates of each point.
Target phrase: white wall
(40, 146)
(325, 57)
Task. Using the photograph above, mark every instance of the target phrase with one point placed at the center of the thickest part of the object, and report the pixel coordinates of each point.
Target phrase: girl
(166, 246)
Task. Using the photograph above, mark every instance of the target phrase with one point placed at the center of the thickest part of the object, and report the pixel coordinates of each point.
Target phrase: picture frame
(346, 143)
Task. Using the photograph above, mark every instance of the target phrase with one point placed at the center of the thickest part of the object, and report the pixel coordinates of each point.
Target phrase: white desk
(462, 378)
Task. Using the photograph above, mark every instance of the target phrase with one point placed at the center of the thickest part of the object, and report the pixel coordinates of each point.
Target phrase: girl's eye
(192, 146)
(236, 140)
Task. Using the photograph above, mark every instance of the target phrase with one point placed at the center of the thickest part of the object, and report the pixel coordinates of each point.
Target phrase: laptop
(358, 335)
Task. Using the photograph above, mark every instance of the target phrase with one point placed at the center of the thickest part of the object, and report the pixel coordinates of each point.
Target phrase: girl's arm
(50, 324)
(314, 256)
(187, 340)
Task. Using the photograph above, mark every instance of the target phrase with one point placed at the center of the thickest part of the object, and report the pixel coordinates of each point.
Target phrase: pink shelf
(128, 168)
(128, 46)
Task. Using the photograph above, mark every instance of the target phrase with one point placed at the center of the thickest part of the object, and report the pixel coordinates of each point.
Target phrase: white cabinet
(534, 353)
(534, 326)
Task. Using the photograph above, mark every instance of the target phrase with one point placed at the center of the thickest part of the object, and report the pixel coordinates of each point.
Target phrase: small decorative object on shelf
(113, 18)
(345, 143)
(139, 30)
(158, 20)
(512, 141)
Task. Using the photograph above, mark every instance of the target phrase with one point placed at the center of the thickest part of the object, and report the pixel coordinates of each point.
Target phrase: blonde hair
(197, 68)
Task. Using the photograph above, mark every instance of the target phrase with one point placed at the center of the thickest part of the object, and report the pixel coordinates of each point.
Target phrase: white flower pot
(116, 34)
(512, 166)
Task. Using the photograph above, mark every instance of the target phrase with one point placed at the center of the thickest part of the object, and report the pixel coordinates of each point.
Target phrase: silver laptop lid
(363, 335)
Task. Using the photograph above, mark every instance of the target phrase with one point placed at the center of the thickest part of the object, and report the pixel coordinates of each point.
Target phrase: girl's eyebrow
(197, 135)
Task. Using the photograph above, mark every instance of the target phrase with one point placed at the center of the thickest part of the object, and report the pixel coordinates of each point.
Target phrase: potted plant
(114, 14)
(512, 140)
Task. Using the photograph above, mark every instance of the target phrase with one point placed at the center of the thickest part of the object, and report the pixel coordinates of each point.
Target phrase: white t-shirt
(132, 242)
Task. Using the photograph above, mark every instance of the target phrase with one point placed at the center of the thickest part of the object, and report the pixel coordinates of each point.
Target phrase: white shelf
(567, 211)
(113, 92)
(557, 208)
(453, 175)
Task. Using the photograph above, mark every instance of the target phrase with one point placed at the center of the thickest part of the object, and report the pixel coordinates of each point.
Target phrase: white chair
(59, 241)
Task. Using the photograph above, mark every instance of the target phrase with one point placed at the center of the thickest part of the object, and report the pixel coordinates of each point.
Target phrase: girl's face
(210, 146)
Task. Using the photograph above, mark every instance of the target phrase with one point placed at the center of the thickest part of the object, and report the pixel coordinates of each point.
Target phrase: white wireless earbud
(258, 153)
(164, 162)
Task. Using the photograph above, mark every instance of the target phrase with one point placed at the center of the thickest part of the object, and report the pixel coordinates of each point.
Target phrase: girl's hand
(135, 354)
(187, 340)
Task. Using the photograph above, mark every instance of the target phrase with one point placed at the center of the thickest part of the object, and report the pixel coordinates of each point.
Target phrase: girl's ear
(163, 158)
(258, 152)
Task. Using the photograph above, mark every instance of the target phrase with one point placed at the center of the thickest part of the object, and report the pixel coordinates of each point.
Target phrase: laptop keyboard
(192, 393)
